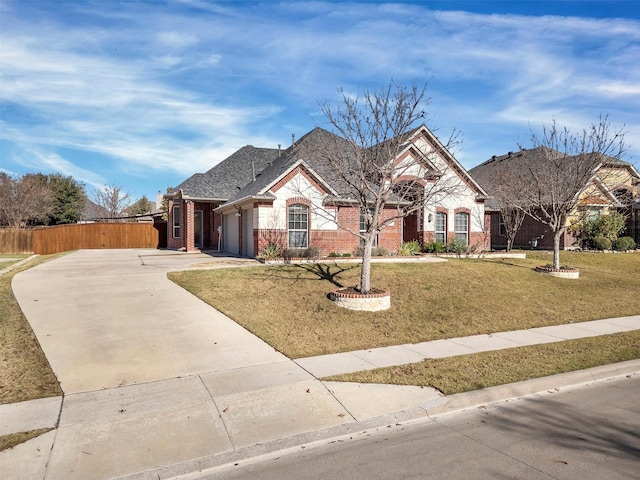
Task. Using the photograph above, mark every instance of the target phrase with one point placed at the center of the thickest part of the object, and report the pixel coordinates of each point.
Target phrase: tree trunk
(365, 274)
(556, 248)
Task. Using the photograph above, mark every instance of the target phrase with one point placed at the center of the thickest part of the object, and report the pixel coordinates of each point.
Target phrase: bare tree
(548, 180)
(24, 200)
(512, 219)
(111, 201)
(502, 182)
(372, 129)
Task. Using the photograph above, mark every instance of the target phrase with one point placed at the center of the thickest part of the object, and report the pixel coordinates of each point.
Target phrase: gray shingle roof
(225, 179)
(521, 163)
(308, 148)
(233, 179)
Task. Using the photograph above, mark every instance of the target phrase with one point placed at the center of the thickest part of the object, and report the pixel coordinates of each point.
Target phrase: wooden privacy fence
(16, 241)
(61, 238)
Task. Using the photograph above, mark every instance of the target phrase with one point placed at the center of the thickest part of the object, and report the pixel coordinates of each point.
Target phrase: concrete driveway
(153, 377)
(108, 318)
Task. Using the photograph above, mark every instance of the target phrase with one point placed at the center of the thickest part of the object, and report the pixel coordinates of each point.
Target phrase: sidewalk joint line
(215, 404)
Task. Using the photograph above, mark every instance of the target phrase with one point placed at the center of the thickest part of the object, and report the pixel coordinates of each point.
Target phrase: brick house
(613, 187)
(261, 196)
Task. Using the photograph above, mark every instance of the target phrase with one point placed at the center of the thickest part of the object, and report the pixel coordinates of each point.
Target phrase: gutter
(180, 194)
(224, 206)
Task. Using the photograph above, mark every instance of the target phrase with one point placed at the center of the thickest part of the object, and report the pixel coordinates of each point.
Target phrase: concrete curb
(379, 425)
(536, 386)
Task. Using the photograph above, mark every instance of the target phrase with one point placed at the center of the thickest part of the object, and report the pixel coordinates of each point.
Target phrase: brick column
(188, 227)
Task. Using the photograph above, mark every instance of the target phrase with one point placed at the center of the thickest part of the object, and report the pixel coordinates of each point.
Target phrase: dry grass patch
(25, 373)
(287, 305)
(6, 260)
(481, 370)
(13, 439)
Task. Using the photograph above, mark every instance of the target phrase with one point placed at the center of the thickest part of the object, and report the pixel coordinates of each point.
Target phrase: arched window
(462, 227)
(441, 227)
(298, 226)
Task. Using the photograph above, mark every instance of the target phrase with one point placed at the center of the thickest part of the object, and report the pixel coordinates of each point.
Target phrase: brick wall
(529, 231)
(178, 242)
(210, 223)
(338, 241)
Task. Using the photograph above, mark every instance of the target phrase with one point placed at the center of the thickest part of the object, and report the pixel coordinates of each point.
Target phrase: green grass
(473, 372)
(287, 305)
(25, 373)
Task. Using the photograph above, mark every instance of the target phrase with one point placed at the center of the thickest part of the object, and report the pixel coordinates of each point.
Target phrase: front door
(197, 228)
(410, 228)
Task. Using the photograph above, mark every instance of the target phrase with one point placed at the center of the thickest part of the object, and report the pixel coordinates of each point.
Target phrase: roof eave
(239, 201)
(182, 195)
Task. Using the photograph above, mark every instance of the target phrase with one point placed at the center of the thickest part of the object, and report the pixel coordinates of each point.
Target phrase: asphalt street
(585, 433)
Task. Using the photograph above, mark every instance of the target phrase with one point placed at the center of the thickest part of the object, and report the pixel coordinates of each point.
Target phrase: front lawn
(464, 373)
(287, 305)
(25, 373)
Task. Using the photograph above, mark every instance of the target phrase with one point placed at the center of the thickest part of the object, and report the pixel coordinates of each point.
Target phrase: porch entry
(197, 229)
(410, 228)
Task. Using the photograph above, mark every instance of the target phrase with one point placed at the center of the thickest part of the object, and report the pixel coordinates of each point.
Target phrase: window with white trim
(462, 227)
(298, 226)
(441, 227)
(176, 219)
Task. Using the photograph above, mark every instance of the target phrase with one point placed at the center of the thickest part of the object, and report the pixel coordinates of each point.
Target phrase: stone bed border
(369, 302)
(571, 273)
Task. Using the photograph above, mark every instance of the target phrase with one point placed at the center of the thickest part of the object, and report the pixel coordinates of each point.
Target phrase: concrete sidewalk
(158, 384)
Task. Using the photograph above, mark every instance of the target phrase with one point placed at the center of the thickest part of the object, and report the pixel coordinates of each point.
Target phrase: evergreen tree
(69, 199)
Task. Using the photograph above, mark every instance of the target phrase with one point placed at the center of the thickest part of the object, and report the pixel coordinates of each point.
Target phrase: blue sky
(142, 94)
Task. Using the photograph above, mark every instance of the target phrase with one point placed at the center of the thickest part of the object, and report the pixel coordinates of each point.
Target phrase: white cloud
(176, 40)
(619, 89)
(112, 107)
(180, 87)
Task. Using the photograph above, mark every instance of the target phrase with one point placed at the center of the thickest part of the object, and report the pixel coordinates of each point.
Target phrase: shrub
(457, 246)
(289, 253)
(271, 251)
(600, 243)
(375, 252)
(623, 244)
(607, 226)
(409, 248)
(346, 254)
(311, 252)
(333, 255)
(434, 247)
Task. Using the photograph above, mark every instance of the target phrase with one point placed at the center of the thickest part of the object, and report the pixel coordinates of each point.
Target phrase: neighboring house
(261, 196)
(613, 187)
